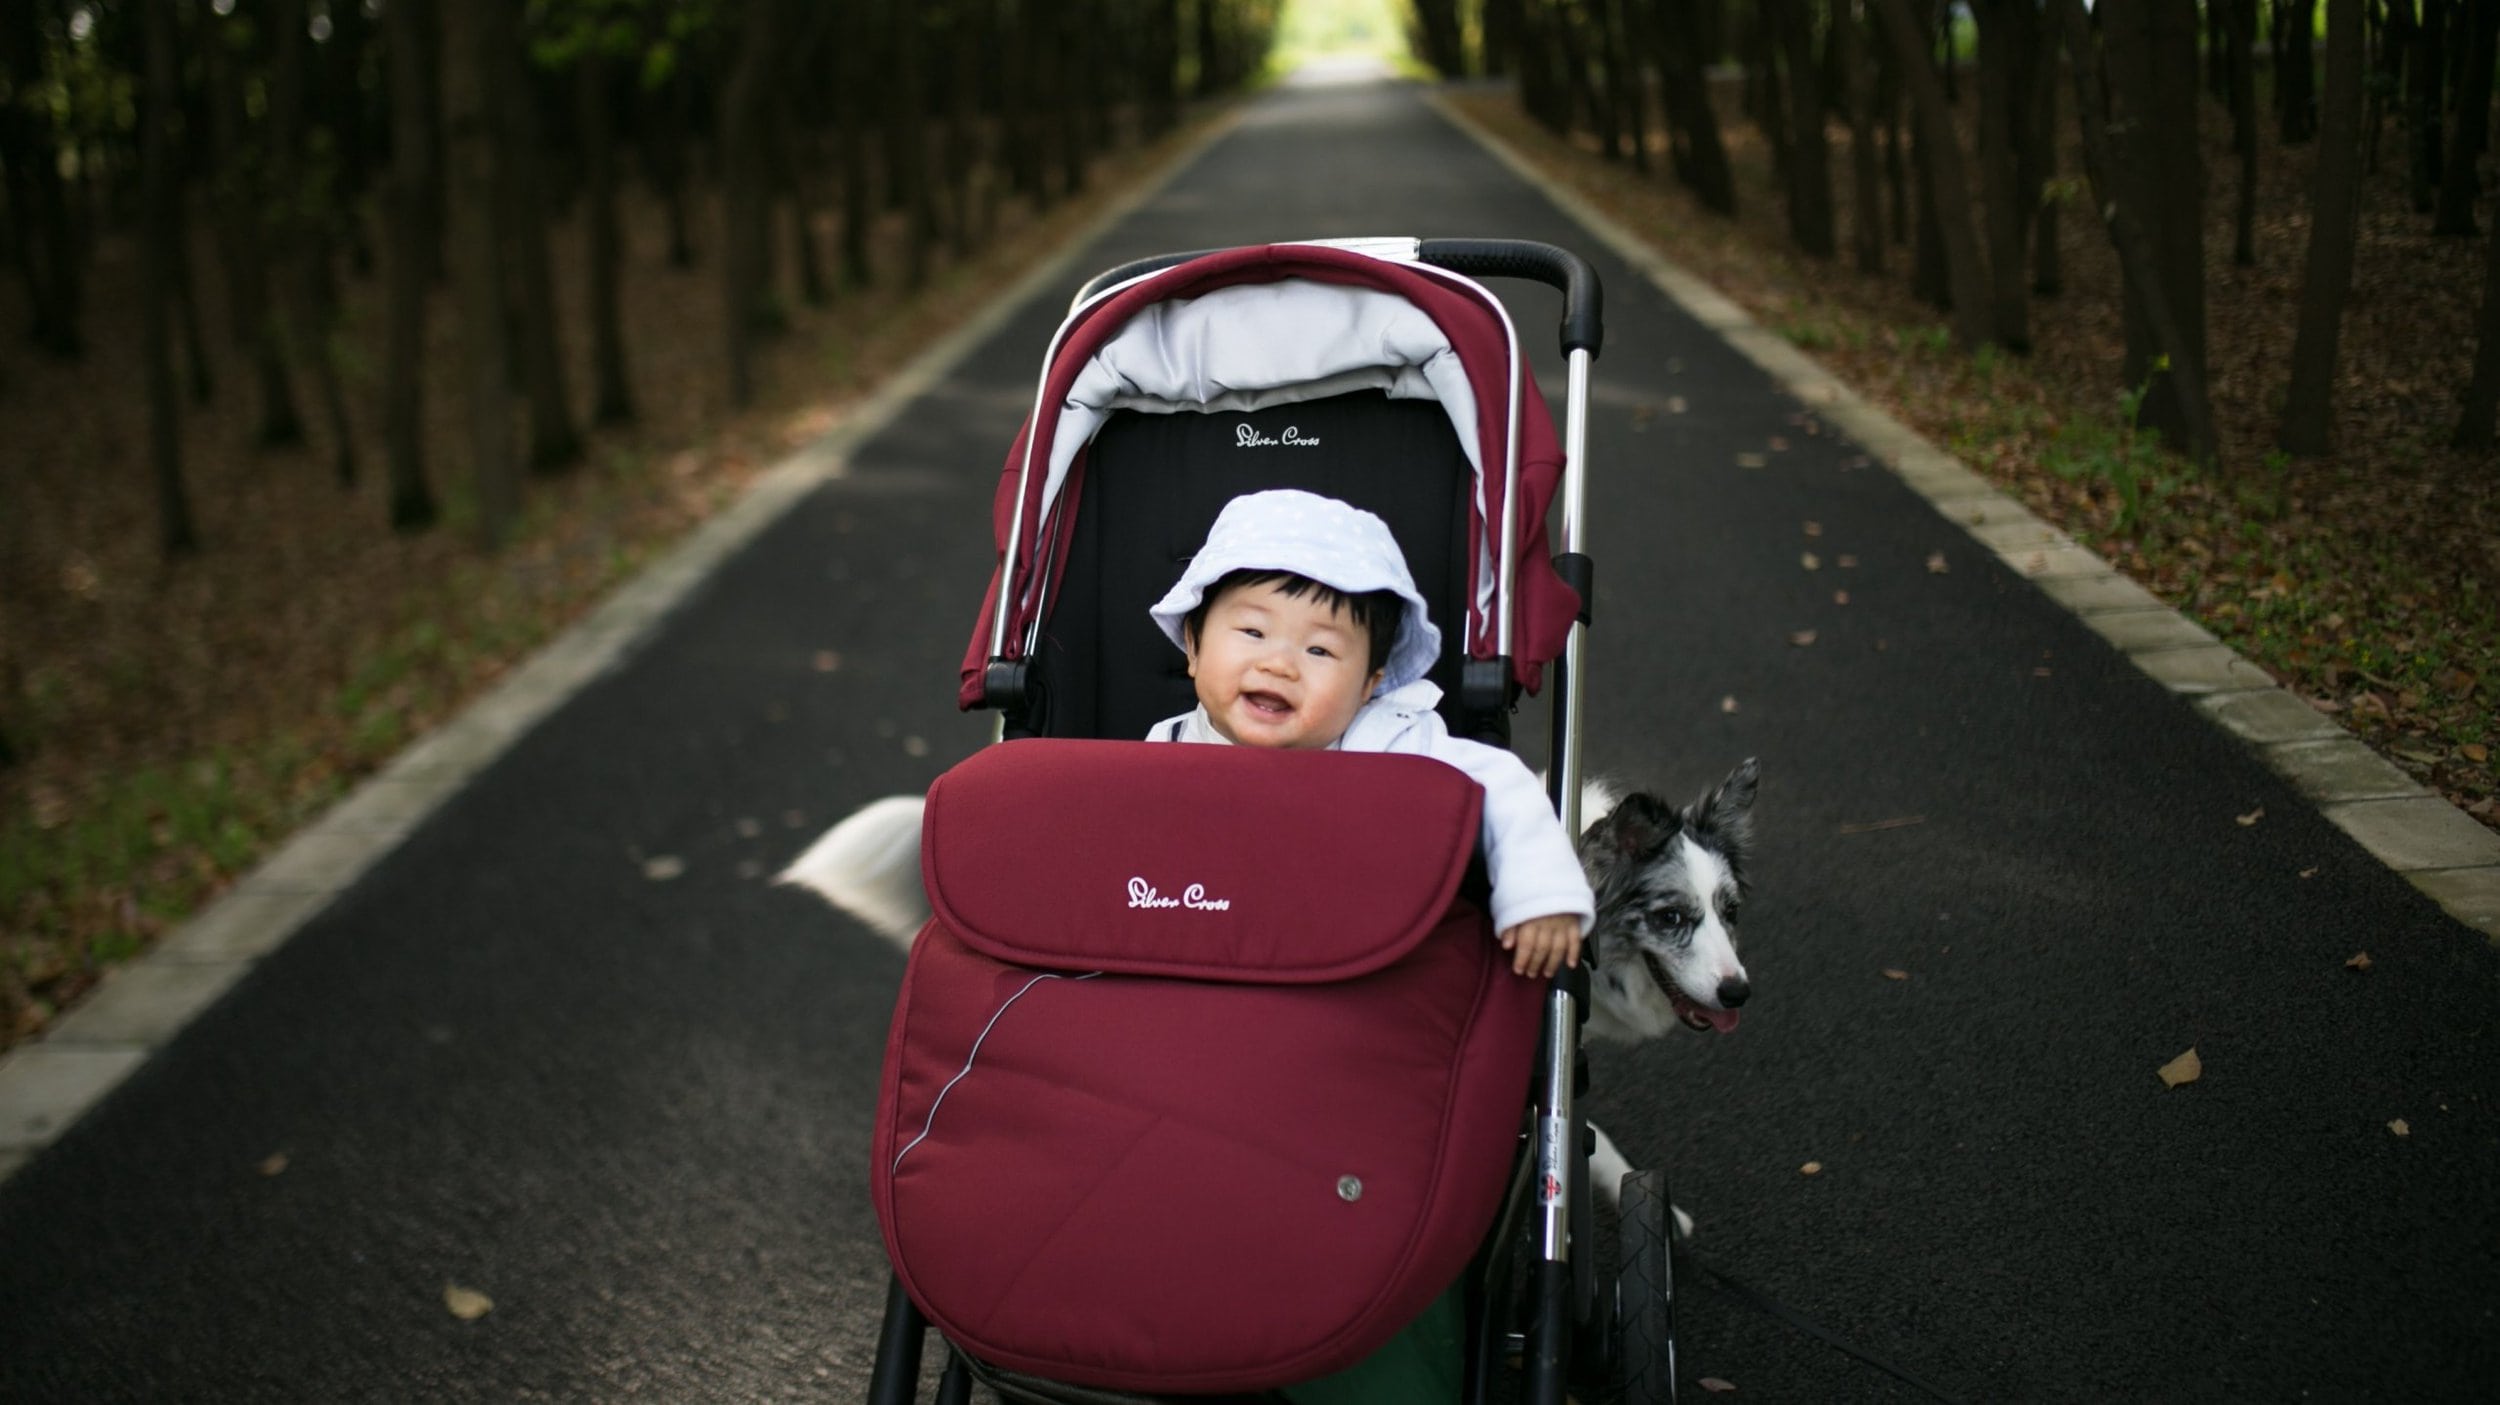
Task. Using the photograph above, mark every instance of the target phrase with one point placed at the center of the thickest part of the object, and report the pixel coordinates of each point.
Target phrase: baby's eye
(1320, 651)
(1252, 631)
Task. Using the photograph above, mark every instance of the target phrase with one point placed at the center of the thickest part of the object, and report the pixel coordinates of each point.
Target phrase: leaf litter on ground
(2186, 1068)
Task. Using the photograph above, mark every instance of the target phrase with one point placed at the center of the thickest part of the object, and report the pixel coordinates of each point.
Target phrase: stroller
(1206, 1076)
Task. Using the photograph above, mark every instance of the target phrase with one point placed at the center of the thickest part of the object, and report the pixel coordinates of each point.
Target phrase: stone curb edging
(48, 1083)
(2438, 848)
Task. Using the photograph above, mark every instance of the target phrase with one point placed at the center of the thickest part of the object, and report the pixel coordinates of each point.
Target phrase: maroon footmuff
(1203, 1078)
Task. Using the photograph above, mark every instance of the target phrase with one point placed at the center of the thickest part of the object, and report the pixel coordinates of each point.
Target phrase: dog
(1662, 952)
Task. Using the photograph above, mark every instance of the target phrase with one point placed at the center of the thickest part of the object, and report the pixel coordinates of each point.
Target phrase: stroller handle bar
(1583, 320)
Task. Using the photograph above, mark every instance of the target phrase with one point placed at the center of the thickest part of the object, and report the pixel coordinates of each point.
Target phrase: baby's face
(1274, 670)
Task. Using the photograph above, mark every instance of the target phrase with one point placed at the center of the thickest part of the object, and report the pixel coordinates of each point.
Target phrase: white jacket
(1535, 870)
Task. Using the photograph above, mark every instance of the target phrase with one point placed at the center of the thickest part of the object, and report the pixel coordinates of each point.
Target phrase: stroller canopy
(1251, 328)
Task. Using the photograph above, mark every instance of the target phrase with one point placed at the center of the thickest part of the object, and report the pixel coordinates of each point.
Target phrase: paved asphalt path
(635, 1113)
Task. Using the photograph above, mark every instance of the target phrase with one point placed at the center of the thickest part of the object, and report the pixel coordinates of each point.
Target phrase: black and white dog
(1661, 953)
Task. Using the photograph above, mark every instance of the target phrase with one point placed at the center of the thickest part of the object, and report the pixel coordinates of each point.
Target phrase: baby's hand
(1542, 944)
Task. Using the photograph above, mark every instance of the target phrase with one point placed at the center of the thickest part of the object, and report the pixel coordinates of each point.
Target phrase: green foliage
(2117, 452)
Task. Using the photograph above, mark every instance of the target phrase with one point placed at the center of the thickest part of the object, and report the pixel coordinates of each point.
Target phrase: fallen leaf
(1871, 826)
(2251, 817)
(1751, 460)
(2308, 873)
(1801, 638)
(2358, 961)
(1811, 1168)
(2475, 752)
(1716, 1386)
(1814, 529)
(273, 1164)
(1936, 564)
(1810, 561)
(467, 1304)
(827, 660)
(663, 868)
(1840, 597)
(1728, 703)
(1895, 973)
(2186, 1068)
(2400, 1127)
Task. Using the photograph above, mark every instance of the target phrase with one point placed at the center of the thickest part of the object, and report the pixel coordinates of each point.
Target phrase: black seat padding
(1154, 484)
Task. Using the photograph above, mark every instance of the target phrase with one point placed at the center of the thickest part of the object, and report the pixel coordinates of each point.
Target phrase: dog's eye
(1670, 917)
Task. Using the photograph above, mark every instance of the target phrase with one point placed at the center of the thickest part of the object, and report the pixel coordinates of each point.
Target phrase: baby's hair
(1379, 612)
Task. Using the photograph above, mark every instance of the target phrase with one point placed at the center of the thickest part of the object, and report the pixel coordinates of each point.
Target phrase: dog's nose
(1732, 992)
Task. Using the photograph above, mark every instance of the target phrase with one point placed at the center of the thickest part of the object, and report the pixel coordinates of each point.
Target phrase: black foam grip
(1584, 317)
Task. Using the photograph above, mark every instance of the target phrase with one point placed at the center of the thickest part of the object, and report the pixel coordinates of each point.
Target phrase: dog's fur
(1661, 953)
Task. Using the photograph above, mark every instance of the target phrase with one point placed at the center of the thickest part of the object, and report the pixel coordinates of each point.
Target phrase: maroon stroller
(1207, 1076)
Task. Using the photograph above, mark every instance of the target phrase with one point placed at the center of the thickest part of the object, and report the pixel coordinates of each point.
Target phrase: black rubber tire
(1645, 1289)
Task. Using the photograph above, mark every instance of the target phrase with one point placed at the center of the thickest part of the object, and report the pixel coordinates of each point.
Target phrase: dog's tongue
(1721, 1021)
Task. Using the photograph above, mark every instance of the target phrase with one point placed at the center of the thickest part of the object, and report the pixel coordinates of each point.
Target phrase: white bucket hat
(1334, 543)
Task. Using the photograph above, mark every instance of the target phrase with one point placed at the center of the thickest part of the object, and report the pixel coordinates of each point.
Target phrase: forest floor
(2367, 581)
(164, 724)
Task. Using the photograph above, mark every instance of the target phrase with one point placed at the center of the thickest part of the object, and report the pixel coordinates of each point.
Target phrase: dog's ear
(1728, 810)
(1638, 824)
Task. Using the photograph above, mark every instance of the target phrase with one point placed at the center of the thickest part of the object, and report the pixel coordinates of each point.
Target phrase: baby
(1304, 629)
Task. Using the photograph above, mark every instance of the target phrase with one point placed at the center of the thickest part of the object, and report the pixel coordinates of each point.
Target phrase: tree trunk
(1500, 45)
(907, 141)
(1437, 34)
(410, 259)
(521, 234)
(2459, 183)
(1160, 64)
(795, 158)
(851, 69)
(298, 243)
(175, 534)
(2295, 77)
(613, 390)
(244, 240)
(48, 250)
(2482, 393)
(470, 156)
(2138, 257)
(1866, 223)
(1940, 157)
(2424, 65)
(1625, 91)
(2048, 269)
(671, 164)
(1888, 102)
(2009, 40)
(2156, 93)
(1809, 164)
(1696, 124)
(746, 175)
(967, 145)
(2240, 33)
(187, 301)
(2309, 402)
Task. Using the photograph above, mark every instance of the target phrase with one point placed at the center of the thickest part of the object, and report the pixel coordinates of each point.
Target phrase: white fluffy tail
(869, 866)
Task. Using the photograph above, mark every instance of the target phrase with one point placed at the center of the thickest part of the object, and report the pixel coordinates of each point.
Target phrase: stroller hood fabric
(1345, 319)
(1214, 1092)
(1321, 539)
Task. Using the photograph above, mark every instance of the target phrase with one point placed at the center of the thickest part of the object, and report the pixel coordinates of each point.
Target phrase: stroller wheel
(1645, 1289)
